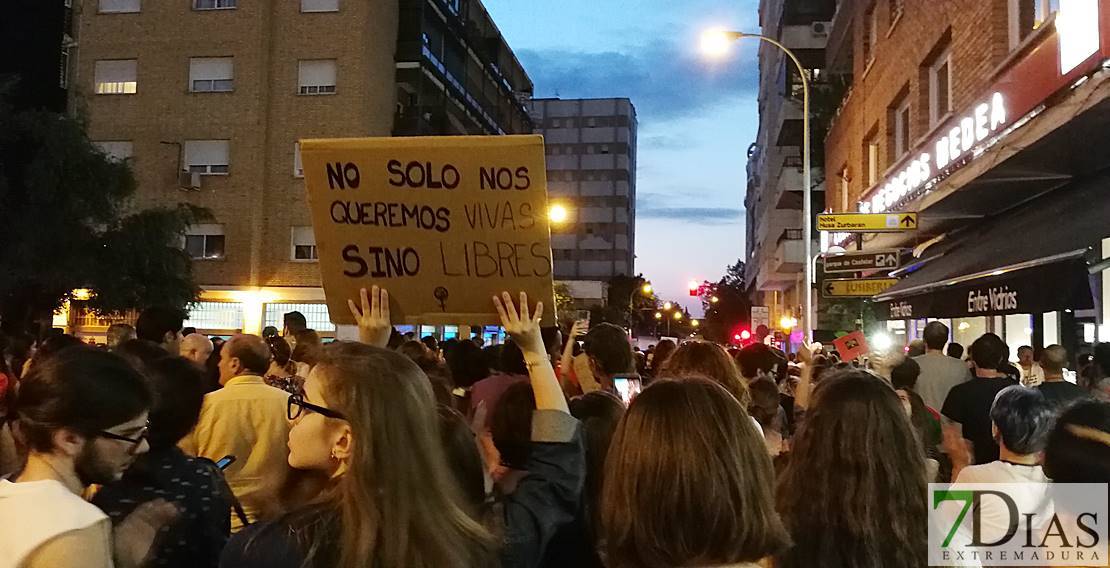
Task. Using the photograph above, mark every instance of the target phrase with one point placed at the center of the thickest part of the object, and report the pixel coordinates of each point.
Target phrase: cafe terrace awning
(1030, 260)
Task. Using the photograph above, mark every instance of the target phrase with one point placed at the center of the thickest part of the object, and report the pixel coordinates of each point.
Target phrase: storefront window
(1019, 331)
(967, 330)
(426, 330)
(450, 332)
(1051, 328)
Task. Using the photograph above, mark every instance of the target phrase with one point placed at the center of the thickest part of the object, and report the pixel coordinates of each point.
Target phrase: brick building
(979, 115)
(208, 98)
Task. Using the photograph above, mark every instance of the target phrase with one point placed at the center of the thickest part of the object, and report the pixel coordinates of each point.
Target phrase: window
(872, 158)
(1028, 15)
(211, 74)
(118, 150)
(900, 124)
(207, 157)
(316, 76)
(118, 6)
(316, 315)
(604, 148)
(870, 35)
(213, 4)
(303, 244)
(204, 242)
(319, 5)
(940, 88)
(591, 122)
(216, 316)
(298, 167)
(116, 77)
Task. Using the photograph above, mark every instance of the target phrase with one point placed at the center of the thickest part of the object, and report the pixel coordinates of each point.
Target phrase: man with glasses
(246, 419)
(83, 417)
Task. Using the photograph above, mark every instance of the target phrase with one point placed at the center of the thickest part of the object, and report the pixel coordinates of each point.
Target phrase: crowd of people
(169, 448)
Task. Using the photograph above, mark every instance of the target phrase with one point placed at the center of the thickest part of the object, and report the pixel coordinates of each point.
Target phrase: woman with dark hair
(688, 482)
(852, 492)
(196, 486)
(306, 350)
(282, 373)
(663, 351)
(708, 360)
(1078, 449)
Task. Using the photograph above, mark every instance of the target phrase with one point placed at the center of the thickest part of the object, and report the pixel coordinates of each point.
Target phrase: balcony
(790, 252)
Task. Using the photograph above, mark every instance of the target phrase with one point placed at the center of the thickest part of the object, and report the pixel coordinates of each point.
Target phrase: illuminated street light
(678, 315)
(667, 306)
(716, 43)
(695, 323)
(658, 315)
(647, 289)
(558, 213)
(788, 323)
(714, 300)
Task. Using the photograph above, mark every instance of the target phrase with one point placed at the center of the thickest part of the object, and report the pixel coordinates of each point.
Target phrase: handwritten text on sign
(442, 222)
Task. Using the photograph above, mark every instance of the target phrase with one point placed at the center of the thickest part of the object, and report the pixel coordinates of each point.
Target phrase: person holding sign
(368, 422)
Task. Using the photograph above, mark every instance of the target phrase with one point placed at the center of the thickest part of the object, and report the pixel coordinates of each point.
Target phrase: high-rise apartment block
(591, 171)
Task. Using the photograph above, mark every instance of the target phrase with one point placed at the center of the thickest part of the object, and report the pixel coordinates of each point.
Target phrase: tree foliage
(732, 309)
(66, 222)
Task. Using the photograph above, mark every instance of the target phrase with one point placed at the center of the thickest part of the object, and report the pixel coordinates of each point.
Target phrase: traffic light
(695, 288)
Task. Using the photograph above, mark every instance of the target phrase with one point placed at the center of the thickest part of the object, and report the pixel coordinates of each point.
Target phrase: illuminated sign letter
(998, 111)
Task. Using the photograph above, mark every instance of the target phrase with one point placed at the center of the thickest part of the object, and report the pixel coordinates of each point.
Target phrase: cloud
(663, 79)
(709, 215)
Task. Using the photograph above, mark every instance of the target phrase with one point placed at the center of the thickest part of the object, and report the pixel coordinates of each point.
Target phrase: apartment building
(591, 172)
(775, 256)
(208, 98)
(989, 120)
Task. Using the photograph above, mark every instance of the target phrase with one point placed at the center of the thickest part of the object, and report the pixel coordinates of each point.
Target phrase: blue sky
(696, 118)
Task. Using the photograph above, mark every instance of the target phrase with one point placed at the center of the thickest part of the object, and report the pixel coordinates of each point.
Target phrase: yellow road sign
(867, 222)
(861, 288)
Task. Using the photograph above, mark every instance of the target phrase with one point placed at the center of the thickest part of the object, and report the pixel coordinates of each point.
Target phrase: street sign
(761, 315)
(863, 260)
(862, 288)
(867, 222)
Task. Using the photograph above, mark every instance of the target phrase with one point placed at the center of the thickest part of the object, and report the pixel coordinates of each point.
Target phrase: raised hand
(523, 328)
(374, 327)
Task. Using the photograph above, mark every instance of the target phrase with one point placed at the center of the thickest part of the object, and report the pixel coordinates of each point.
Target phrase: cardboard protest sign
(851, 346)
(443, 223)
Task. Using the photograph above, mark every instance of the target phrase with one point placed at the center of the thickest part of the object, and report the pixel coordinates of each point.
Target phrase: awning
(1031, 260)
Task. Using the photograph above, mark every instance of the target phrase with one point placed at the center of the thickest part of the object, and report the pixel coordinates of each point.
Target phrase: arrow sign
(862, 288)
(863, 260)
(867, 222)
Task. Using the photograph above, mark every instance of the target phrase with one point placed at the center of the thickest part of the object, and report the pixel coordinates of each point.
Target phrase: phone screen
(225, 461)
(627, 388)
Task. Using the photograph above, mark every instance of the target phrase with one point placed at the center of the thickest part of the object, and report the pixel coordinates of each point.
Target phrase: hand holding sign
(374, 327)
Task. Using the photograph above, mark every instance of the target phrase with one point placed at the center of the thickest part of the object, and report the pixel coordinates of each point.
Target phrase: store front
(1013, 195)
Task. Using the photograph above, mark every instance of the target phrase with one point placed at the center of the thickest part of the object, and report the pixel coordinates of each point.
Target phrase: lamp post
(717, 43)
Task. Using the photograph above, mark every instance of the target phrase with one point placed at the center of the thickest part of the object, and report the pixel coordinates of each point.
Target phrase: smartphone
(225, 461)
(627, 388)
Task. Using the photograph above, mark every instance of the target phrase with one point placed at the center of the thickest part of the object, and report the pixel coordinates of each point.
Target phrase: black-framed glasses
(133, 441)
(297, 406)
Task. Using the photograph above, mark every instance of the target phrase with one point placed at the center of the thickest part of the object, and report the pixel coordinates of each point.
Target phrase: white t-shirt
(34, 512)
(1033, 377)
(1034, 494)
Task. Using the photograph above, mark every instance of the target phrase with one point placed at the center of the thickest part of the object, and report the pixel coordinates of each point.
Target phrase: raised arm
(524, 329)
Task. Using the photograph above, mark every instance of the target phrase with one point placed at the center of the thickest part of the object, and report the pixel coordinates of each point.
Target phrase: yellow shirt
(245, 419)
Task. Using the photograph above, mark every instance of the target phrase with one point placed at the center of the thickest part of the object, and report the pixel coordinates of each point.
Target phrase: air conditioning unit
(820, 29)
(189, 180)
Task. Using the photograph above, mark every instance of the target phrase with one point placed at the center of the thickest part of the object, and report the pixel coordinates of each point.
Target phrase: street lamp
(716, 43)
(714, 300)
(658, 315)
(788, 323)
(695, 323)
(647, 289)
(678, 316)
(667, 306)
(557, 213)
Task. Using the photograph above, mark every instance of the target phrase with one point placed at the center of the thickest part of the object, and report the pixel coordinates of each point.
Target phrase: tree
(66, 222)
(732, 309)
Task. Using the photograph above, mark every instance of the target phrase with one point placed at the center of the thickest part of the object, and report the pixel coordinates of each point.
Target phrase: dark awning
(1031, 260)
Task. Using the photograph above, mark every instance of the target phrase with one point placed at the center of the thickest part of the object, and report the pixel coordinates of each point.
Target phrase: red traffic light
(695, 288)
